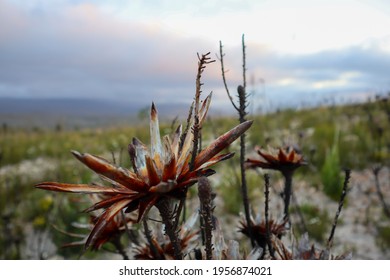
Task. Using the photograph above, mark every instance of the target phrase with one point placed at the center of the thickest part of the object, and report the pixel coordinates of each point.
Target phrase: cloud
(347, 73)
(81, 51)
(84, 49)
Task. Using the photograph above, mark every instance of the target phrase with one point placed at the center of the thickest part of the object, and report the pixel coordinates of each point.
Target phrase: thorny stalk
(244, 188)
(243, 62)
(341, 203)
(203, 61)
(165, 209)
(268, 234)
(206, 212)
(241, 109)
(386, 209)
(149, 238)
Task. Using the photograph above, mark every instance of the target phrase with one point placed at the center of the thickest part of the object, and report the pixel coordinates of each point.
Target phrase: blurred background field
(331, 138)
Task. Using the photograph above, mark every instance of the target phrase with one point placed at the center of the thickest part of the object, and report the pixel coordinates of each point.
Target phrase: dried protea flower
(162, 247)
(285, 160)
(259, 230)
(163, 251)
(282, 159)
(161, 172)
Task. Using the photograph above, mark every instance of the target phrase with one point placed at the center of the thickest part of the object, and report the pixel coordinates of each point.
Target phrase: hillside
(359, 133)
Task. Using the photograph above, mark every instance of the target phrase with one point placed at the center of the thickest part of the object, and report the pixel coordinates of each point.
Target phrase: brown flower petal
(81, 188)
(104, 220)
(221, 143)
(106, 169)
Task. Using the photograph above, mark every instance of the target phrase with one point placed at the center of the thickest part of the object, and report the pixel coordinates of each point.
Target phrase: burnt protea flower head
(163, 171)
(163, 250)
(283, 160)
(259, 230)
(286, 161)
(160, 247)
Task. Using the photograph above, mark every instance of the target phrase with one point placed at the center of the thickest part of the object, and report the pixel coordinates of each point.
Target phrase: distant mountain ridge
(71, 106)
(77, 112)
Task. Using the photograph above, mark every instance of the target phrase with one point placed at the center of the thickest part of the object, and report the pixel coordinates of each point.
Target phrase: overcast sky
(144, 51)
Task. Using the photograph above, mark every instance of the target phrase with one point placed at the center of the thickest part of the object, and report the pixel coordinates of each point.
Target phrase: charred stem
(241, 109)
(341, 203)
(165, 209)
(268, 231)
(206, 214)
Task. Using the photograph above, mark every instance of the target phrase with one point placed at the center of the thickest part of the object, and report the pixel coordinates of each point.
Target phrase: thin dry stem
(241, 90)
(221, 55)
(243, 61)
(268, 234)
(341, 203)
(242, 113)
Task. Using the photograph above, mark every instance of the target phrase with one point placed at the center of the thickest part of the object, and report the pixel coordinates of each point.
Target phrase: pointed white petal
(176, 141)
(185, 151)
(233, 250)
(155, 139)
(168, 153)
(204, 109)
(141, 152)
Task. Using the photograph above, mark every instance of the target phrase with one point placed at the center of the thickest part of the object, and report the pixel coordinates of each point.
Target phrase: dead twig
(341, 203)
(241, 109)
(268, 232)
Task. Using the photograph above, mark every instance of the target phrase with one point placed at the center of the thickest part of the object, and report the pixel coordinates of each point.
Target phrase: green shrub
(330, 171)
